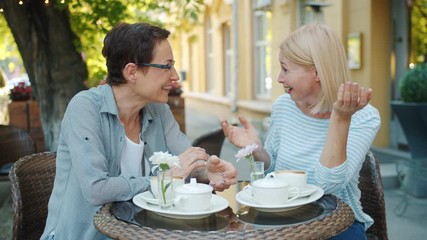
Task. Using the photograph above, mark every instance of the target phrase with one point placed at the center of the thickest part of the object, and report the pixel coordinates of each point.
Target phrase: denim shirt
(88, 160)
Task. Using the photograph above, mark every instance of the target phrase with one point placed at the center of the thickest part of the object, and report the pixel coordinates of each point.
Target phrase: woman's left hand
(351, 98)
(221, 174)
(190, 159)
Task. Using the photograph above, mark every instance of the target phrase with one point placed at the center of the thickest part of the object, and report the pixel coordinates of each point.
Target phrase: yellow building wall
(335, 17)
(371, 19)
(195, 87)
(368, 17)
(191, 51)
(283, 23)
(245, 52)
(379, 73)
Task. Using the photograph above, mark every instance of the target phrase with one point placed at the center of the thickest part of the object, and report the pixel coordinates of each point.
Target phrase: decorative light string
(21, 2)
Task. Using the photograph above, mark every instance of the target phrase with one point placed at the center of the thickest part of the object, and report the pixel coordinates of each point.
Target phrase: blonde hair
(317, 45)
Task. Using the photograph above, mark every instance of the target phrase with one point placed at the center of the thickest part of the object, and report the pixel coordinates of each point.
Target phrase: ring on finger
(200, 161)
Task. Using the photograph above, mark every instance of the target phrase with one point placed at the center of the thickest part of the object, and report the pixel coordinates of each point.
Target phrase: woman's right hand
(241, 136)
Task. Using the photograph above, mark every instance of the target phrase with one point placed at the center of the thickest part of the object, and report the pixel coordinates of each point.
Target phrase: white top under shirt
(131, 158)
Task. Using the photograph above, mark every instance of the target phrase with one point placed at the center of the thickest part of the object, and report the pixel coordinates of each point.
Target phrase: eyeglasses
(161, 66)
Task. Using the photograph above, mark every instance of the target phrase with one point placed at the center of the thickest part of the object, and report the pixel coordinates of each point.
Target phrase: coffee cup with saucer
(296, 178)
(271, 191)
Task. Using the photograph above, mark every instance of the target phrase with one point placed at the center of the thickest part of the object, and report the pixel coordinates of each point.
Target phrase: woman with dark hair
(108, 134)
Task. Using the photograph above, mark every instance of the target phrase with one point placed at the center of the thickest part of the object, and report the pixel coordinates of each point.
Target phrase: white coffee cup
(193, 197)
(295, 178)
(270, 191)
(177, 181)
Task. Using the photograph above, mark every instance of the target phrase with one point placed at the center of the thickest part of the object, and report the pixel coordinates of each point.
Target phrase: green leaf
(91, 19)
(167, 186)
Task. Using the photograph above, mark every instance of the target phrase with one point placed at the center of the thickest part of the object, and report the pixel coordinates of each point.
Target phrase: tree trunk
(56, 69)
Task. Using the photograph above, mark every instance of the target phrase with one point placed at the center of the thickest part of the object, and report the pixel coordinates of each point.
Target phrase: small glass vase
(165, 189)
(256, 170)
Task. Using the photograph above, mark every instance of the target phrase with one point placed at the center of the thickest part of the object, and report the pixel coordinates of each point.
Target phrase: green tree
(60, 40)
(9, 54)
(419, 31)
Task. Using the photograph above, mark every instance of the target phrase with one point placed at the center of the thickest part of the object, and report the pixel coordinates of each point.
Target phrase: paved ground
(411, 225)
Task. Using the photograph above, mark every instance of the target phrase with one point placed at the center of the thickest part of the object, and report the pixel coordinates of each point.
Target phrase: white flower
(246, 152)
(164, 161)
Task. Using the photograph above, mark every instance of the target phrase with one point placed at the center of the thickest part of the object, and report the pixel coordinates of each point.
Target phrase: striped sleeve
(363, 129)
(296, 141)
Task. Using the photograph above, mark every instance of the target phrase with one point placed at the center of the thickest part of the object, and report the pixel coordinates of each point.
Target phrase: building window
(262, 57)
(228, 54)
(210, 77)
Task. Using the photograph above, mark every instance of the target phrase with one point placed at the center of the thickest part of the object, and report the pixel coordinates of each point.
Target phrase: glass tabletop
(245, 218)
(321, 219)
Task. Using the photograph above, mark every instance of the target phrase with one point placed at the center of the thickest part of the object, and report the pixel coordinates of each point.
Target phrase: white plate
(307, 191)
(218, 203)
(244, 197)
(149, 198)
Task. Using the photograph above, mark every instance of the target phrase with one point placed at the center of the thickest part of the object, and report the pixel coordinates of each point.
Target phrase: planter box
(413, 119)
(18, 112)
(412, 172)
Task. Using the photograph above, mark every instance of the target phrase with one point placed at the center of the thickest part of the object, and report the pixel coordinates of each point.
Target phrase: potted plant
(411, 112)
(21, 92)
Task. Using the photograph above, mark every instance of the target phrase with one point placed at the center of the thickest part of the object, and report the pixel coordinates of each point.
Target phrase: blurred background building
(229, 63)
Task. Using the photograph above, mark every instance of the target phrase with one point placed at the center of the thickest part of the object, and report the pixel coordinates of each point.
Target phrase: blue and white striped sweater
(295, 141)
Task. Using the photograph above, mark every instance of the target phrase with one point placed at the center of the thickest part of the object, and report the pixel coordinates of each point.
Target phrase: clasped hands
(196, 162)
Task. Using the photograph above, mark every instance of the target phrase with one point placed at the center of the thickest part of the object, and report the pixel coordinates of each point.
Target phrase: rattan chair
(372, 199)
(32, 180)
(211, 141)
(14, 144)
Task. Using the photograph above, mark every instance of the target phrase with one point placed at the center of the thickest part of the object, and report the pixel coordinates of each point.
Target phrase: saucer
(218, 203)
(308, 190)
(149, 198)
(244, 197)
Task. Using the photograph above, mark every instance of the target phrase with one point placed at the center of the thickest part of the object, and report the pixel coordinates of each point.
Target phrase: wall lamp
(316, 6)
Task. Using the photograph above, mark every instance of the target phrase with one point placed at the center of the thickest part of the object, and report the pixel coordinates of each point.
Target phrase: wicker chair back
(372, 199)
(32, 180)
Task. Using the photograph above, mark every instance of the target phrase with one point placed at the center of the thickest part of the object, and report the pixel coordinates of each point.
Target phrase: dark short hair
(127, 43)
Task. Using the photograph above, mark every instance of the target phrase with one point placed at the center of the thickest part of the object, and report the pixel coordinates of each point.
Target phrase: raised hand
(241, 137)
(351, 98)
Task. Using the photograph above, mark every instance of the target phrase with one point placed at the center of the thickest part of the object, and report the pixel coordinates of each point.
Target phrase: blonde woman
(323, 124)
